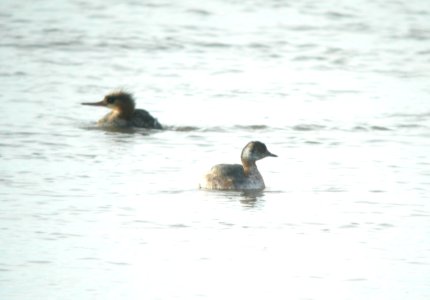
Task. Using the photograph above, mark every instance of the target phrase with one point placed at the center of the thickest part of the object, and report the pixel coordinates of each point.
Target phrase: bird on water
(239, 177)
(124, 113)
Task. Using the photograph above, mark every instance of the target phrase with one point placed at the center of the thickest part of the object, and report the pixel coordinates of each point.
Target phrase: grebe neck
(249, 167)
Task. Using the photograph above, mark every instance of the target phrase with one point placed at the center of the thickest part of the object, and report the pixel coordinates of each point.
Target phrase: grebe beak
(271, 154)
(100, 103)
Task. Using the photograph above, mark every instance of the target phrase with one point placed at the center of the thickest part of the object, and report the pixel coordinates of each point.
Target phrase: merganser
(123, 112)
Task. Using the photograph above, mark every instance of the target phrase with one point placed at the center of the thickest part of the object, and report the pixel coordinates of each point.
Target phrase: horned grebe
(239, 177)
(123, 112)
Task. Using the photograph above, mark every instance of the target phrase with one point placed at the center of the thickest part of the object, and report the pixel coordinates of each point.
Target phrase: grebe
(123, 112)
(239, 177)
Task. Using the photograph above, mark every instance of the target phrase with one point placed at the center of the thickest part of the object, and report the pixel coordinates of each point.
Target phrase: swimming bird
(124, 113)
(239, 177)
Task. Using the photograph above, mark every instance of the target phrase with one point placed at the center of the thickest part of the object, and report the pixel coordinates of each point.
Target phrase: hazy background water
(338, 90)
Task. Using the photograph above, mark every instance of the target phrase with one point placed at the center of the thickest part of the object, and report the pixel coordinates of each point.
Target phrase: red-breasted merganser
(239, 177)
(123, 112)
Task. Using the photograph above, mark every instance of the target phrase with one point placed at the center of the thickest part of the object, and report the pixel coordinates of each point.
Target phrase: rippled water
(339, 91)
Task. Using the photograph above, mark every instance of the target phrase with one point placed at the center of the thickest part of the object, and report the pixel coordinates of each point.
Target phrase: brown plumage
(124, 113)
(238, 177)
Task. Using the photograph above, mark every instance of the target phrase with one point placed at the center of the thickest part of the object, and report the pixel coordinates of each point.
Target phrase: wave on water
(370, 128)
(112, 129)
(416, 116)
(301, 127)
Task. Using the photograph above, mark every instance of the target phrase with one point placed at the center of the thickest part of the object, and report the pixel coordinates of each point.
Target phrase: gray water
(338, 90)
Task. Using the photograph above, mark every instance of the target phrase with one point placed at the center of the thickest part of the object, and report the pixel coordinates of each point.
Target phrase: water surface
(338, 91)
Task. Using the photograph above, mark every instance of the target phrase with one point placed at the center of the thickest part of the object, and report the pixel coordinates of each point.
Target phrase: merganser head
(119, 101)
(254, 151)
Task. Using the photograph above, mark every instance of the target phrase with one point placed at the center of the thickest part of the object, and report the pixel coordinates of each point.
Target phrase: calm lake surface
(338, 90)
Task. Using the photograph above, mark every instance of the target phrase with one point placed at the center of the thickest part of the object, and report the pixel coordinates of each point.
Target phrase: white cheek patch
(246, 153)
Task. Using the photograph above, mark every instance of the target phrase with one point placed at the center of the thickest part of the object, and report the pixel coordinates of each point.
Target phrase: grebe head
(120, 101)
(254, 151)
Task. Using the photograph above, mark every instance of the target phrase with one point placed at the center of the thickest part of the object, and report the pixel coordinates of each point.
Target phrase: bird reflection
(251, 198)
